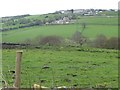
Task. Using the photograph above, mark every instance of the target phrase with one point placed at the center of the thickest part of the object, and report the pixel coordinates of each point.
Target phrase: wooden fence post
(18, 68)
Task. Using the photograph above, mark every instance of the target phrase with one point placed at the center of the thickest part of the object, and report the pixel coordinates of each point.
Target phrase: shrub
(78, 38)
(100, 41)
(28, 41)
(51, 41)
(113, 42)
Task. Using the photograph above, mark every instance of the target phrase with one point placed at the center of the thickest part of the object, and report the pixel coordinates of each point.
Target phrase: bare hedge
(51, 41)
(102, 41)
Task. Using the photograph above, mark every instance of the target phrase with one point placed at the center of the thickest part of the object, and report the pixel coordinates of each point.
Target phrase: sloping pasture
(73, 68)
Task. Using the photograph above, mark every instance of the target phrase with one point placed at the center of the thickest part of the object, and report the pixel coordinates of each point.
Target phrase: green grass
(41, 17)
(111, 13)
(95, 25)
(65, 31)
(99, 20)
(67, 68)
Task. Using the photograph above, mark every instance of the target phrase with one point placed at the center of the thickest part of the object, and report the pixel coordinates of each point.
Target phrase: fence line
(54, 79)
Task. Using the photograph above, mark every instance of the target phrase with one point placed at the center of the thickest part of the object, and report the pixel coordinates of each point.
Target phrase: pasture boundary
(16, 84)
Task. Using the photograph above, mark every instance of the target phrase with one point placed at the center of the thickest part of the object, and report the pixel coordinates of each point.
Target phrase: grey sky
(19, 7)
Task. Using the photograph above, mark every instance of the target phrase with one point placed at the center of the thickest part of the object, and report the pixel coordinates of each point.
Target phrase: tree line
(76, 40)
(16, 22)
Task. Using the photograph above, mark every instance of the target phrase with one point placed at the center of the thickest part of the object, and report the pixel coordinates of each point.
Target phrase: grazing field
(68, 65)
(71, 68)
(101, 20)
(65, 31)
(94, 26)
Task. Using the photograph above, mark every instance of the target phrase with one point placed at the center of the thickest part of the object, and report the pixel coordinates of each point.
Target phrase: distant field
(66, 31)
(65, 67)
(95, 25)
(112, 20)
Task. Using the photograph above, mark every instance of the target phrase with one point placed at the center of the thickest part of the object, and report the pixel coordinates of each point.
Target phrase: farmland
(59, 30)
(94, 26)
(69, 63)
(71, 68)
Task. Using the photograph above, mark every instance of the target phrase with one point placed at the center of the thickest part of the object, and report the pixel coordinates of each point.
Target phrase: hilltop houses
(78, 11)
(85, 12)
(69, 15)
(64, 20)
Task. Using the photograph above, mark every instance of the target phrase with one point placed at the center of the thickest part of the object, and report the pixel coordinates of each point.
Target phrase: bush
(28, 41)
(100, 41)
(113, 43)
(51, 41)
(78, 38)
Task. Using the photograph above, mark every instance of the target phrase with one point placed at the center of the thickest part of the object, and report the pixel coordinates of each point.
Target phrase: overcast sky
(20, 7)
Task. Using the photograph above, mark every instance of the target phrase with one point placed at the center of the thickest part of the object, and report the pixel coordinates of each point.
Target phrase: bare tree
(51, 41)
(100, 41)
(113, 42)
(83, 27)
(78, 38)
(28, 41)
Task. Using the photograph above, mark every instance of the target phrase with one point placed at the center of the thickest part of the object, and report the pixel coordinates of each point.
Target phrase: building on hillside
(64, 20)
(78, 11)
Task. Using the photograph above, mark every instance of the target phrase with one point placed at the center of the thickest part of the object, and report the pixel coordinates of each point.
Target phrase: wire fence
(79, 75)
(54, 76)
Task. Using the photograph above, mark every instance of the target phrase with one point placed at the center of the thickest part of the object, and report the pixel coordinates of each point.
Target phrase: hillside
(61, 24)
(71, 48)
(23, 21)
(65, 31)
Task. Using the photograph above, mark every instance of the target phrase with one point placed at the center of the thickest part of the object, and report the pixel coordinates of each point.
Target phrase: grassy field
(94, 26)
(64, 66)
(99, 20)
(65, 31)
(71, 68)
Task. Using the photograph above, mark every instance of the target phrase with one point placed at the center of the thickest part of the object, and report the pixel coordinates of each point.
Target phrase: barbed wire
(26, 70)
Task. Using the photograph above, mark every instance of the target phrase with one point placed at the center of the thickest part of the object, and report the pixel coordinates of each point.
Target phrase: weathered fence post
(18, 68)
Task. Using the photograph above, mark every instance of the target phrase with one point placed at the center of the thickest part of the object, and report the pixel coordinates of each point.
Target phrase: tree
(100, 41)
(113, 42)
(83, 27)
(28, 41)
(78, 38)
(72, 10)
(51, 41)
